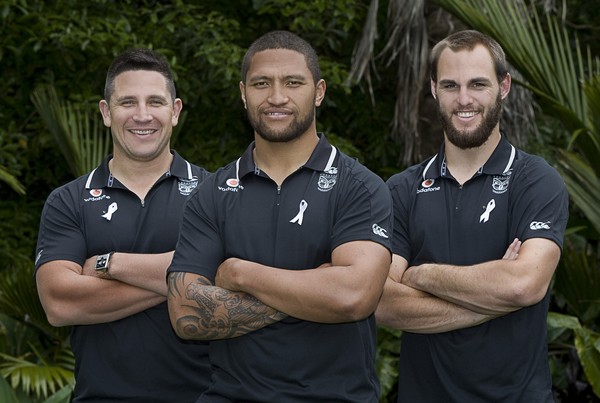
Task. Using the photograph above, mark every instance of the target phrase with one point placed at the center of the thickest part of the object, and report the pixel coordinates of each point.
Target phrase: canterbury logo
(535, 225)
(377, 230)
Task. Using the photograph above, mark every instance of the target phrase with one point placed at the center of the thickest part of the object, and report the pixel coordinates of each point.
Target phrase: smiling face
(469, 96)
(141, 115)
(280, 95)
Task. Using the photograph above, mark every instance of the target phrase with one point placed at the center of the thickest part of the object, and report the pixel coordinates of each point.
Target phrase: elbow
(186, 327)
(58, 314)
(357, 308)
(527, 294)
(57, 318)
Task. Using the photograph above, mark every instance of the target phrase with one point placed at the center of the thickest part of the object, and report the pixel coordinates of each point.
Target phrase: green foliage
(388, 353)
(80, 135)
(67, 45)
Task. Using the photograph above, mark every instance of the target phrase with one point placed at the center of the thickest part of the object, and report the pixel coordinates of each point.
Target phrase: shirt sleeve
(400, 194)
(540, 202)
(199, 249)
(365, 209)
(60, 235)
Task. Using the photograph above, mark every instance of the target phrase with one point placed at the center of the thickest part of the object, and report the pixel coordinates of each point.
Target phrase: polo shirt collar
(321, 158)
(499, 163)
(101, 176)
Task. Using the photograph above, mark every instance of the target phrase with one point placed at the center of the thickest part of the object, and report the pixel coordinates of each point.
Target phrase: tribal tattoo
(213, 313)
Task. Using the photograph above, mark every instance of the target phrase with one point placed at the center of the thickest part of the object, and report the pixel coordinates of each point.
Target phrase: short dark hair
(283, 40)
(138, 59)
(468, 39)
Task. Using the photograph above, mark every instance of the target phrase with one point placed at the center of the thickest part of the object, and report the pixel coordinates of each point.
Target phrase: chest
(117, 219)
(462, 224)
(287, 226)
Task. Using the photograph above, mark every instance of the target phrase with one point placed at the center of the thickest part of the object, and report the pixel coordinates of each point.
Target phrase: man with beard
(283, 253)
(473, 313)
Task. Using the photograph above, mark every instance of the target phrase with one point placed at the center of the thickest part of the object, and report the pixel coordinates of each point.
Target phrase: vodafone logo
(233, 185)
(96, 195)
(426, 186)
(427, 183)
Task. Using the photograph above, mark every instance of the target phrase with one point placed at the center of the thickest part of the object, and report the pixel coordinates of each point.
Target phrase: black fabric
(138, 358)
(240, 212)
(438, 221)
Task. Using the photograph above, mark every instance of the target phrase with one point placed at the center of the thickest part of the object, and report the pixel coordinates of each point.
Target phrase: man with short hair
(106, 240)
(283, 253)
(472, 312)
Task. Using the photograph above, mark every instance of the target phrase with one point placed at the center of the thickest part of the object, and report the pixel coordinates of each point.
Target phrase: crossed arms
(434, 298)
(248, 296)
(72, 294)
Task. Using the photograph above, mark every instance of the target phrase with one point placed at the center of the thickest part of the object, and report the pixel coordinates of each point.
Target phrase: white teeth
(466, 114)
(149, 131)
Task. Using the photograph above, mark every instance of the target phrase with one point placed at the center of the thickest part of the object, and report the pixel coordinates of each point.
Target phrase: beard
(295, 129)
(465, 139)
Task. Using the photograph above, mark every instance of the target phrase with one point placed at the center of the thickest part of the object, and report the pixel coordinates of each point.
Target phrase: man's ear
(320, 92)
(433, 89)
(243, 94)
(505, 86)
(105, 111)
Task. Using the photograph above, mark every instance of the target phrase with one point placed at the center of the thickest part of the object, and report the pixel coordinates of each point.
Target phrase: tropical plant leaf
(19, 299)
(40, 380)
(11, 181)
(583, 185)
(81, 137)
(7, 394)
(62, 396)
(559, 320)
(587, 343)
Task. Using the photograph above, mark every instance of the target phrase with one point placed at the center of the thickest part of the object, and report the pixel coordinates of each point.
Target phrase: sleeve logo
(535, 225)
(377, 230)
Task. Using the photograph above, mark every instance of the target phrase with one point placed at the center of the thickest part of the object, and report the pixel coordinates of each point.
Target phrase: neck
(464, 163)
(139, 176)
(279, 160)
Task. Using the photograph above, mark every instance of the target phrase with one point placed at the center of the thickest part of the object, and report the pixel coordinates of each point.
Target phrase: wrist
(103, 264)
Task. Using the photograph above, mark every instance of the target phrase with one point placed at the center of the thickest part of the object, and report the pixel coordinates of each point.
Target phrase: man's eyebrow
(298, 77)
(134, 98)
(125, 98)
(471, 81)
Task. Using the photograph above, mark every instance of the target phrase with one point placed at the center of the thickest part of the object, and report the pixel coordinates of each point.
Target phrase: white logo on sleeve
(535, 225)
(111, 209)
(488, 209)
(377, 230)
(300, 216)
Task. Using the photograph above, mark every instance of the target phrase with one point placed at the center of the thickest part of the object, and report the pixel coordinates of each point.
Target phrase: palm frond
(19, 300)
(583, 185)
(11, 181)
(40, 380)
(81, 137)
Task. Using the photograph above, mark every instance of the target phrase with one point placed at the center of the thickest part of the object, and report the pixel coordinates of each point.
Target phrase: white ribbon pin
(111, 209)
(486, 214)
(300, 215)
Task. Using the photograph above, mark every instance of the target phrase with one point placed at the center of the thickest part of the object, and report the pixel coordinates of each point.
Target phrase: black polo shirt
(436, 220)
(240, 212)
(138, 358)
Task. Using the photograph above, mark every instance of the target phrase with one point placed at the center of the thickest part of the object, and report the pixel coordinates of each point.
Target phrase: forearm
(494, 287)
(201, 311)
(318, 295)
(346, 290)
(411, 310)
(147, 271)
(70, 298)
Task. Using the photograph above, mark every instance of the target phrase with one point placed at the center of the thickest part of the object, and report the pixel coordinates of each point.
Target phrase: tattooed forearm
(216, 313)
